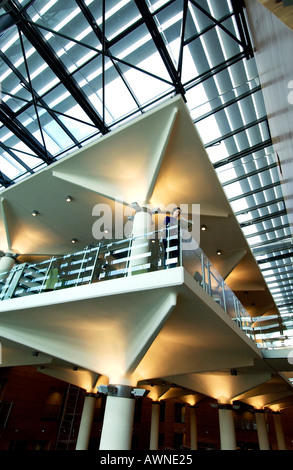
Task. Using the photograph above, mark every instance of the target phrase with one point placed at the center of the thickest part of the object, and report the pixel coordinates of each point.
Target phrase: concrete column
(142, 224)
(227, 428)
(6, 264)
(279, 431)
(193, 428)
(155, 423)
(262, 433)
(118, 417)
(86, 422)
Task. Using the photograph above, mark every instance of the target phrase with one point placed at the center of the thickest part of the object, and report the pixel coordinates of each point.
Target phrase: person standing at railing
(171, 237)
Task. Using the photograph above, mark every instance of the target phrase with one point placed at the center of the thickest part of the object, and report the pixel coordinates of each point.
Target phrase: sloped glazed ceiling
(71, 74)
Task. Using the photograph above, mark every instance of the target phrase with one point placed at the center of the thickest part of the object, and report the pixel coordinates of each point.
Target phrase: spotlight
(35, 213)
(74, 240)
(203, 228)
(69, 198)
(219, 252)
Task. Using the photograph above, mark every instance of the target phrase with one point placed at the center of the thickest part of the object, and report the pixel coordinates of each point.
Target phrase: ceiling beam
(272, 259)
(106, 45)
(244, 153)
(39, 101)
(258, 220)
(161, 46)
(237, 131)
(254, 191)
(9, 120)
(38, 41)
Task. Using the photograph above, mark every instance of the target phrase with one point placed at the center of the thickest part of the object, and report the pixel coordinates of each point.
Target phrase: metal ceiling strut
(39, 101)
(37, 40)
(161, 46)
(7, 117)
(106, 45)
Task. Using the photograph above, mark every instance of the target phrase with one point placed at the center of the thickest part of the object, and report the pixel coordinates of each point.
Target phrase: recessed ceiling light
(35, 213)
(74, 240)
(203, 227)
(69, 198)
(219, 252)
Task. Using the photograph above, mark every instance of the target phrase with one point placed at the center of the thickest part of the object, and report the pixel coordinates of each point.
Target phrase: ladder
(67, 434)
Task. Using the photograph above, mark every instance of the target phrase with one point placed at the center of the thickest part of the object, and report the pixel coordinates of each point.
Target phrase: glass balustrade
(158, 250)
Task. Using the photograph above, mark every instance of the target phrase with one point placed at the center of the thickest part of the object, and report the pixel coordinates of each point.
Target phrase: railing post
(203, 271)
(17, 273)
(81, 265)
(209, 277)
(224, 295)
(46, 274)
(95, 263)
(180, 249)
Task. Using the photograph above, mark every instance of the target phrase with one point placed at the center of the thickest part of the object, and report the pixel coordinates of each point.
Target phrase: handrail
(152, 251)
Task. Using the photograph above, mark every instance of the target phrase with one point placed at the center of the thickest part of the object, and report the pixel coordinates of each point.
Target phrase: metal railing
(158, 250)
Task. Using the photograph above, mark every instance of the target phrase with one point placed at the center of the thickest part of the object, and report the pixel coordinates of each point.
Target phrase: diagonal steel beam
(259, 220)
(276, 258)
(254, 191)
(160, 45)
(237, 131)
(244, 153)
(4, 180)
(238, 8)
(40, 101)
(38, 41)
(106, 45)
(9, 120)
(218, 23)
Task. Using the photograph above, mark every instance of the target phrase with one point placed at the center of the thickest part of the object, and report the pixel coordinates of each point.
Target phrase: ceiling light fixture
(69, 198)
(35, 213)
(219, 252)
(74, 240)
(203, 227)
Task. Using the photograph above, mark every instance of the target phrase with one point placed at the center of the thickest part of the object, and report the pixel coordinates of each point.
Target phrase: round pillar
(262, 433)
(6, 264)
(279, 431)
(118, 417)
(142, 222)
(142, 225)
(155, 423)
(86, 422)
(227, 428)
(193, 428)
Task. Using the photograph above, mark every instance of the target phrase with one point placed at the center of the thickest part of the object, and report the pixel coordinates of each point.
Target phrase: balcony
(108, 260)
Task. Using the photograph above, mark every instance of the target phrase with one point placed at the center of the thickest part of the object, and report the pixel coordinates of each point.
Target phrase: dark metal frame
(16, 14)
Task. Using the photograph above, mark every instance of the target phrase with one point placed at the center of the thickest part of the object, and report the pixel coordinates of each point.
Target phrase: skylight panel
(233, 190)
(208, 129)
(11, 170)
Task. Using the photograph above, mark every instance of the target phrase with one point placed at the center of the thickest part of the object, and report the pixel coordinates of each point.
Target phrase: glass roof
(72, 71)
